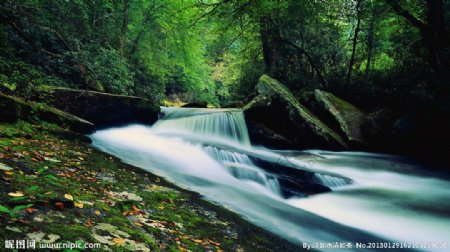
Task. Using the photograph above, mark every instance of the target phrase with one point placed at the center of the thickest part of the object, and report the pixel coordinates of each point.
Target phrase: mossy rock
(13, 109)
(10, 108)
(102, 109)
(344, 117)
(276, 108)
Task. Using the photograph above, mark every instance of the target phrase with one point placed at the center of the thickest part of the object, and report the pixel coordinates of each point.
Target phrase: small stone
(4, 167)
(14, 229)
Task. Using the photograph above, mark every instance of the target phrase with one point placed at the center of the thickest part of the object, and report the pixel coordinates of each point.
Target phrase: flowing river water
(308, 196)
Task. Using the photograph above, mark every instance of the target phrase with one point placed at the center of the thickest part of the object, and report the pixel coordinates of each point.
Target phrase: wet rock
(261, 135)
(196, 104)
(233, 104)
(421, 132)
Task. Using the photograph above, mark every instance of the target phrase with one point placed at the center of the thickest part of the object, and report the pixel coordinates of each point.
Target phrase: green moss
(70, 232)
(347, 117)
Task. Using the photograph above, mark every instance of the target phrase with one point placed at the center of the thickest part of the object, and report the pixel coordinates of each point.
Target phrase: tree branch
(404, 13)
(322, 80)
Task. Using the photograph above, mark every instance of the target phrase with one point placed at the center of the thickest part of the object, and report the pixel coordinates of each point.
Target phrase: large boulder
(422, 132)
(102, 109)
(278, 110)
(378, 127)
(261, 135)
(13, 109)
(340, 115)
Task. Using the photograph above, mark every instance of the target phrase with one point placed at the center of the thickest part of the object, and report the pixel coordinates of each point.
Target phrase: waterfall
(315, 197)
(212, 123)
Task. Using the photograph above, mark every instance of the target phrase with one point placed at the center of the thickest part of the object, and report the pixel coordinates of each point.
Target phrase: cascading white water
(241, 167)
(375, 197)
(212, 123)
(330, 181)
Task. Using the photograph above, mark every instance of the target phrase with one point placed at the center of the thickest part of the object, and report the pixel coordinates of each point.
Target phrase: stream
(304, 196)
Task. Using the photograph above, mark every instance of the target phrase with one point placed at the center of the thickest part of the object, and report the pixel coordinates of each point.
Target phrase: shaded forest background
(372, 53)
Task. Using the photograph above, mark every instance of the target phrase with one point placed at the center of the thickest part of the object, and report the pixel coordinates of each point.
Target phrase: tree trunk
(266, 41)
(370, 39)
(123, 30)
(355, 41)
(436, 37)
(135, 44)
(435, 34)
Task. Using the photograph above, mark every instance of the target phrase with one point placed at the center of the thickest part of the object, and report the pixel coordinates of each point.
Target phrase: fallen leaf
(31, 210)
(97, 213)
(89, 222)
(214, 243)
(118, 241)
(79, 205)
(9, 172)
(52, 160)
(16, 194)
(138, 224)
(68, 196)
(197, 241)
(59, 206)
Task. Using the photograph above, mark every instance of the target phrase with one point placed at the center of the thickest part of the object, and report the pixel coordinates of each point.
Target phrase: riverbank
(56, 188)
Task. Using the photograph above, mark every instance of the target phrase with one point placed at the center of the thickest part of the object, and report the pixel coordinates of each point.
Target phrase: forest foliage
(371, 52)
